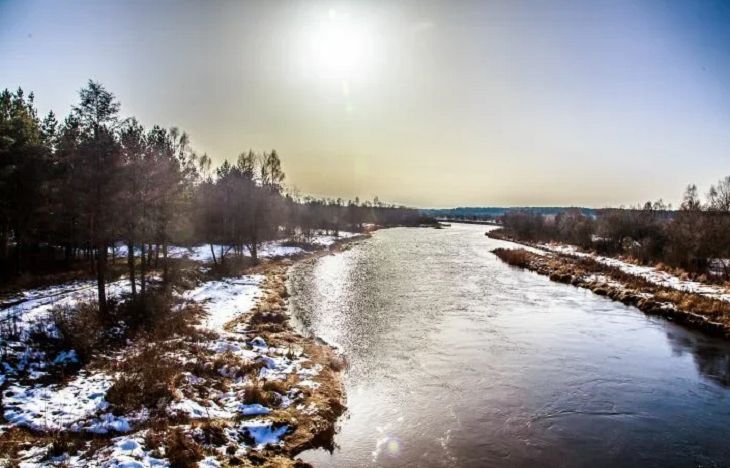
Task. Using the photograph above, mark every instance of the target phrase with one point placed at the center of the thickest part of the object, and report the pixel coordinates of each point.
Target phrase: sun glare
(340, 47)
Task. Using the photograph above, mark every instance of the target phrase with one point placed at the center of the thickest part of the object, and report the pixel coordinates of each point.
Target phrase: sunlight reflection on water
(459, 360)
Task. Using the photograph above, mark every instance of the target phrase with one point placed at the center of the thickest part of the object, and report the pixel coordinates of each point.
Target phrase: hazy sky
(422, 103)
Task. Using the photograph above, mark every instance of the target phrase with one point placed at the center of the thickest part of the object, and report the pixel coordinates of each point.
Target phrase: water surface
(457, 359)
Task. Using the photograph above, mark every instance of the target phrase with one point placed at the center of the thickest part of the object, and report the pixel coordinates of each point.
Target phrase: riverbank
(705, 311)
(230, 382)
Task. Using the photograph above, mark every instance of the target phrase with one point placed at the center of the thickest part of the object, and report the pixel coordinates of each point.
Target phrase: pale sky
(429, 104)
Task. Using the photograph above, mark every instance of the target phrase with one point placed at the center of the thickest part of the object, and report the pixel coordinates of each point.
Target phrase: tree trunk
(255, 252)
(212, 251)
(142, 270)
(4, 237)
(18, 257)
(149, 254)
(130, 264)
(67, 254)
(165, 270)
(101, 277)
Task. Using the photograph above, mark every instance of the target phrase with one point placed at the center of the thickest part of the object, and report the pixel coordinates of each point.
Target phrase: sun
(340, 47)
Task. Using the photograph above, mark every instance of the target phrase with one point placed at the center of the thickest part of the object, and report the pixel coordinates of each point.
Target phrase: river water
(457, 359)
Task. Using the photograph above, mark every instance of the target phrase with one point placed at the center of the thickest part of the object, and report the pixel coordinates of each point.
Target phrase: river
(456, 359)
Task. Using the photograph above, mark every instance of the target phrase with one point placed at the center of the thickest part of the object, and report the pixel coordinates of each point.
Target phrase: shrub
(279, 386)
(146, 312)
(255, 393)
(213, 433)
(259, 317)
(515, 257)
(148, 380)
(79, 327)
(338, 363)
(182, 451)
(232, 265)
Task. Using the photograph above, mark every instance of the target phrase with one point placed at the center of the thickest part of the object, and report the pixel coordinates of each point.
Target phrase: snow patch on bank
(78, 406)
(224, 300)
(651, 274)
(269, 249)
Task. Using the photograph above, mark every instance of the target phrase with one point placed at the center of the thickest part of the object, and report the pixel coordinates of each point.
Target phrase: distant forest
(70, 190)
(489, 212)
(696, 237)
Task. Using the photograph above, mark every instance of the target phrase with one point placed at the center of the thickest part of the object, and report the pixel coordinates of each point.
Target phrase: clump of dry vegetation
(515, 257)
(148, 380)
(181, 450)
(268, 393)
(80, 327)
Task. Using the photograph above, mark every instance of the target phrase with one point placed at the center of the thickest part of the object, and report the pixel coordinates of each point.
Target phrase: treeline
(71, 190)
(696, 237)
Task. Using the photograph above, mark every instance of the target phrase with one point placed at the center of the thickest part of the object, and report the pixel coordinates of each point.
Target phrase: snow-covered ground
(32, 306)
(225, 299)
(30, 313)
(269, 249)
(78, 403)
(651, 274)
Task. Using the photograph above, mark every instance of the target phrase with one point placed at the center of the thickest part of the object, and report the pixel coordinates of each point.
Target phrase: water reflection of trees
(711, 356)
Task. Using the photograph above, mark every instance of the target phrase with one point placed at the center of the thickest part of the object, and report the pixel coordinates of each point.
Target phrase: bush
(256, 393)
(515, 257)
(79, 327)
(232, 265)
(148, 380)
(182, 451)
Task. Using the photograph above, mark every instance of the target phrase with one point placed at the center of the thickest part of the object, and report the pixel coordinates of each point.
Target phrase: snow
(56, 406)
(209, 462)
(264, 432)
(79, 404)
(269, 249)
(226, 299)
(31, 307)
(253, 410)
(128, 452)
(258, 342)
(66, 357)
(197, 411)
(651, 274)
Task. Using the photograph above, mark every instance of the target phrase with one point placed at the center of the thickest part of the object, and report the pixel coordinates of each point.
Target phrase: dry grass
(338, 363)
(255, 393)
(213, 433)
(279, 386)
(80, 327)
(149, 379)
(258, 318)
(182, 451)
(515, 257)
(232, 265)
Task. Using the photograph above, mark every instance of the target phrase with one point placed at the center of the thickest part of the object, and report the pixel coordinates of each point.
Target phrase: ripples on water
(457, 359)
